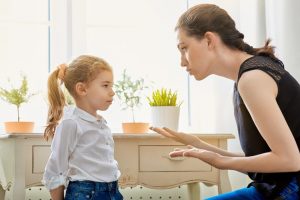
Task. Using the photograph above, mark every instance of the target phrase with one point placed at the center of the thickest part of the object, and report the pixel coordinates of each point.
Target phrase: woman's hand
(209, 157)
(183, 138)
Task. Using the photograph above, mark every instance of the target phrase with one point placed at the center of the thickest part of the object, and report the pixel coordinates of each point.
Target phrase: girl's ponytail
(56, 100)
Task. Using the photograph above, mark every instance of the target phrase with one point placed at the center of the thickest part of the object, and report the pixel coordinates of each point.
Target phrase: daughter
(82, 150)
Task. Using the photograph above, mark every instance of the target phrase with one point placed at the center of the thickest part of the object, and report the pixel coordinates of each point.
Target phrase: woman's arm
(57, 193)
(194, 141)
(259, 92)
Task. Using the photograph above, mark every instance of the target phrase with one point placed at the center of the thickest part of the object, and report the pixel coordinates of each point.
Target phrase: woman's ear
(211, 39)
(80, 89)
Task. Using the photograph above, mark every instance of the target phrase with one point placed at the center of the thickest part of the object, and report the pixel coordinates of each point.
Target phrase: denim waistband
(97, 186)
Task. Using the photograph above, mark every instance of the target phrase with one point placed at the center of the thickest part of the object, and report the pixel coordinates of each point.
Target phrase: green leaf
(17, 96)
(129, 91)
(163, 97)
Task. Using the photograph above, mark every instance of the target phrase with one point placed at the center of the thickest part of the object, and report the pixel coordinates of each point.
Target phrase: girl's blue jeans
(79, 190)
(290, 192)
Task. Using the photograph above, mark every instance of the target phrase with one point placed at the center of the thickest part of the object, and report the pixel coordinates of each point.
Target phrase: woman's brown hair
(202, 18)
(83, 69)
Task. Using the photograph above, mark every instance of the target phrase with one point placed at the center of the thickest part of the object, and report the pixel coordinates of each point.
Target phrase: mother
(266, 105)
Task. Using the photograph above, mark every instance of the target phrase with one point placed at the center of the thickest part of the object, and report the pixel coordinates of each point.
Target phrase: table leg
(224, 183)
(2, 193)
(18, 187)
(193, 191)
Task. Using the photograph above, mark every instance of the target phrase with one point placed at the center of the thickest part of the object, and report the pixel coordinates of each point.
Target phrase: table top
(122, 135)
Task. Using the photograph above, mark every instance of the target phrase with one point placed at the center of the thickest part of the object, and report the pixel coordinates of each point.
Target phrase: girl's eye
(105, 85)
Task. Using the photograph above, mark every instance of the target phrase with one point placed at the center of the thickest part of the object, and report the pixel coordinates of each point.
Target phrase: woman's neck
(229, 62)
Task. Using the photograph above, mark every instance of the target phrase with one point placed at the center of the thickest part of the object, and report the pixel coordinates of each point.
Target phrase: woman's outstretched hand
(209, 157)
(191, 141)
(183, 138)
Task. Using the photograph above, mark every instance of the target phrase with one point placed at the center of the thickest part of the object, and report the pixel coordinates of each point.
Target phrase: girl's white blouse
(82, 149)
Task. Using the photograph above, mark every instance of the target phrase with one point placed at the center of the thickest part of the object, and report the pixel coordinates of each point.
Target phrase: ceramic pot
(19, 127)
(135, 127)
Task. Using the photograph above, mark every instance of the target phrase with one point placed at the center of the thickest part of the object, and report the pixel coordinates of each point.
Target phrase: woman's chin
(198, 78)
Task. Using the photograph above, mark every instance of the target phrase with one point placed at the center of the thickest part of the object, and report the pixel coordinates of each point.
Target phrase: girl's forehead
(104, 75)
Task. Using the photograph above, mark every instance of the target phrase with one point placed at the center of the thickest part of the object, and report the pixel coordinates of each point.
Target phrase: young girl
(82, 157)
(266, 105)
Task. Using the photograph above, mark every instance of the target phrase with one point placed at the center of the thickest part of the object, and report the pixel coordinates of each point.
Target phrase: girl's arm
(57, 193)
(63, 144)
(259, 92)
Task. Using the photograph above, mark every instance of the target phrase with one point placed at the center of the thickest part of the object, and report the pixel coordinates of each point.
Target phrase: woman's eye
(182, 48)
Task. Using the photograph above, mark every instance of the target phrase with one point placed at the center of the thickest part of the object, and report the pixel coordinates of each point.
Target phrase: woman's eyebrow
(178, 45)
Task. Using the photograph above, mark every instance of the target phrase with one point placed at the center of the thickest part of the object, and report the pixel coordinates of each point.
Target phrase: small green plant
(130, 92)
(163, 97)
(17, 96)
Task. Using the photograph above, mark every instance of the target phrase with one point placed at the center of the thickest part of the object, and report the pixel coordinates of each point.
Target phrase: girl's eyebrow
(106, 82)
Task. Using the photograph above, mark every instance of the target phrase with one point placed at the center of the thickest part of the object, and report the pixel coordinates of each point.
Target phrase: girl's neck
(87, 108)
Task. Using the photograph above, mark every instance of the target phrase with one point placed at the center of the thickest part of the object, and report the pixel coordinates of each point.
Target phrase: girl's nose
(112, 93)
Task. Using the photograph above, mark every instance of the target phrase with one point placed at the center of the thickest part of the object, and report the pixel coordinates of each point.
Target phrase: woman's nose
(183, 62)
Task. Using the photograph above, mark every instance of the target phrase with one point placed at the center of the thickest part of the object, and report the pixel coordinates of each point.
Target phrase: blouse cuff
(55, 182)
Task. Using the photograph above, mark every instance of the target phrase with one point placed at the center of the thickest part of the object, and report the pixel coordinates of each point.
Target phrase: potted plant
(17, 96)
(164, 108)
(130, 93)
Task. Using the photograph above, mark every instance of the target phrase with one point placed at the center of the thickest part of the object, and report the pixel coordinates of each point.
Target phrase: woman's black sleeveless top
(252, 143)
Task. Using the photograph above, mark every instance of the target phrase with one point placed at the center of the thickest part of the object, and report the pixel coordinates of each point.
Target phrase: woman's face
(195, 55)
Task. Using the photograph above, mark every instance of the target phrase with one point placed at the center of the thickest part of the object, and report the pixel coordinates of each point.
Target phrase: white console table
(143, 160)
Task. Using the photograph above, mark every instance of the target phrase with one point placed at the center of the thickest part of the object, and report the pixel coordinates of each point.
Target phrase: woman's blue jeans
(291, 192)
(79, 190)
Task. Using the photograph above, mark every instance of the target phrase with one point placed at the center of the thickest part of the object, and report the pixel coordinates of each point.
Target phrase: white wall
(283, 27)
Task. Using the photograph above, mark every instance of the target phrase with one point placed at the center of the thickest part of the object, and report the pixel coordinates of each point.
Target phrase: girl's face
(195, 55)
(99, 93)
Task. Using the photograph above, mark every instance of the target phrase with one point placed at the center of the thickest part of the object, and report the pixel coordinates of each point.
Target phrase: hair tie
(241, 35)
(62, 71)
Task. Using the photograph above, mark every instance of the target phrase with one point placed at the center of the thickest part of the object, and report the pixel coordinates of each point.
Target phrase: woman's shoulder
(272, 66)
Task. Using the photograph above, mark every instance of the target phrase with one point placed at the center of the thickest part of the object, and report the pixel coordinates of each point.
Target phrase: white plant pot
(165, 116)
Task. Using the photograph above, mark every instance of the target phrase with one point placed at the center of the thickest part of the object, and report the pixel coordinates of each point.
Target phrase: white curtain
(283, 26)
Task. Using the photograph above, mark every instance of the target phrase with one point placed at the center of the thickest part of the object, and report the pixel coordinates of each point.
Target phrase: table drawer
(155, 158)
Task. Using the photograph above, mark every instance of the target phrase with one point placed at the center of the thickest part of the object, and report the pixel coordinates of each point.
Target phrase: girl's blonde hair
(83, 69)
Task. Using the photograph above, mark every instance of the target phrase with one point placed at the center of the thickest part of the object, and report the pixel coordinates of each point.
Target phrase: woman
(266, 104)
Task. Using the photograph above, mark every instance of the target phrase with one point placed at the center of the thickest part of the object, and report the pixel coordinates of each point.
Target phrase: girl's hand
(209, 157)
(183, 138)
